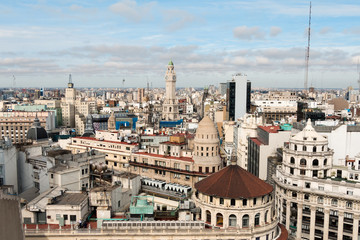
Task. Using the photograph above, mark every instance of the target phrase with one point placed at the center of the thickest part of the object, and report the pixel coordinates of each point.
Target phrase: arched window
(257, 219)
(315, 162)
(232, 220)
(303, 162)
(292, 160)
(314, 149)
(266, 216)
(334, 202)
(325, 161)
(304, 148)
(208, 216)
(245, 221)
(219, 220)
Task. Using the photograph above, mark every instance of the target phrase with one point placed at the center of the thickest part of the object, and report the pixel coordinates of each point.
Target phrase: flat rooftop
(70, 199)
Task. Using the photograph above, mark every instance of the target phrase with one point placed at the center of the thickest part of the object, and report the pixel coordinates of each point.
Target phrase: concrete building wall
(10, 219)
(8, 166)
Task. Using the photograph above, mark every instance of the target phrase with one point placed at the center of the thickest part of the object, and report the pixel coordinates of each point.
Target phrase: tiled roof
(270, 129)
(233, 182)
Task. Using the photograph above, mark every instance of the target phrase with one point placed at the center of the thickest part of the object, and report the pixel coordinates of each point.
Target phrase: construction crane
(307, 56)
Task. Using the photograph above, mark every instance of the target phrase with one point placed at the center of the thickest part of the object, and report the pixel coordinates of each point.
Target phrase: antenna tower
(70, 78)
(14, 82)
(307, 55)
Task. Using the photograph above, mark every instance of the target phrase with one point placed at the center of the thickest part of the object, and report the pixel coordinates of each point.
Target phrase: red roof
(284, 233)
(233, 182)
(256, 141)
(270, 129)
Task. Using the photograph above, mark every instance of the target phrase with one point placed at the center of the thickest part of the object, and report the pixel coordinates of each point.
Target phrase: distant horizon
(103, 42)
(196, 88)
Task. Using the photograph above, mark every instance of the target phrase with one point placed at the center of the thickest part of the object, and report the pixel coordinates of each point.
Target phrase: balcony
(169, 169)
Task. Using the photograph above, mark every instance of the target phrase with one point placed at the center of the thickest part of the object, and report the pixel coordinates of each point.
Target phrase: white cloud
(248, 33)
(325, 30)
(274, 31)
(353, 30)
(176, 19)
(131, 11)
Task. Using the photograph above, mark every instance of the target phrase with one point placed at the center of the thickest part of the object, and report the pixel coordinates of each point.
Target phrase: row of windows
(233, 219)
(303, 162)
(307, 148)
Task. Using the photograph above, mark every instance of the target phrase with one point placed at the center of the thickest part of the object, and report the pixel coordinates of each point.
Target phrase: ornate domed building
(36, 132)
(313, 204)
(235, 198)
(206, 147)
(308, 154)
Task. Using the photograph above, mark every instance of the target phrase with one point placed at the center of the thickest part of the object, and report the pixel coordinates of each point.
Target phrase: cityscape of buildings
(234, 159)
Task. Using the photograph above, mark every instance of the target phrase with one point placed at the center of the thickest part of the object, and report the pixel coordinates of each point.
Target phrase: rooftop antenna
(70, 78)
(358, 69)
(307, 55)
(123, 82)
(14, 82)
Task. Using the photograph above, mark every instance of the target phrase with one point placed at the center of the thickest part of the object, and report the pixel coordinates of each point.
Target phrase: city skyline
(103, 42)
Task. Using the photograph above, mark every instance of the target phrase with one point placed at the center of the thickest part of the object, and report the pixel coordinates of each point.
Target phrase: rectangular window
(73, 218)
(221, 201)
(65, 217)
(187, 168)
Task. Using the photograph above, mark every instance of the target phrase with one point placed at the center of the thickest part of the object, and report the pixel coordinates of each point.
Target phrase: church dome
(206, 126)
(206, 147)
(36, 132)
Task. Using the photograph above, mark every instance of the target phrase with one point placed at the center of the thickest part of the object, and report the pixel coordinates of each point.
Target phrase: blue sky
(101, 42)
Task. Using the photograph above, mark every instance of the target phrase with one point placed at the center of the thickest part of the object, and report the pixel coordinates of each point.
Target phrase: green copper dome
(171, 63)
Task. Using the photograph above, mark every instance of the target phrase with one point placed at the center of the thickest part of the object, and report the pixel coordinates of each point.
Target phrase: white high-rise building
(238, 97)
(170, 106)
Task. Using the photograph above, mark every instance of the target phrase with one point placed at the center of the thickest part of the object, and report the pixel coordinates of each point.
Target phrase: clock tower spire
(170, 107)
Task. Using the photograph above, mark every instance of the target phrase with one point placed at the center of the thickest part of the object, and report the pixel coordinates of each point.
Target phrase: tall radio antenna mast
(307, 55)
(358, 69)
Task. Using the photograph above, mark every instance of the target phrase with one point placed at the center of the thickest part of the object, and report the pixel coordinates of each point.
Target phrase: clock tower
(170, 106)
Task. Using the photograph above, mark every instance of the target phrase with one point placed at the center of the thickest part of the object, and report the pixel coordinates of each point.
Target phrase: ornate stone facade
(311, 204)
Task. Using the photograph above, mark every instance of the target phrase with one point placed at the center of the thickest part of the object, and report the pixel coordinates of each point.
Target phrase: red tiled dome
(233, 182)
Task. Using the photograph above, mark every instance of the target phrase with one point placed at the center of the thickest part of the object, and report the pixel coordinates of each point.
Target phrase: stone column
(288, 215)
(312, 222)
(299, 221)
(356, 227)
(326, 223)
(225, 220)
(213, 218)
(340, 225)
